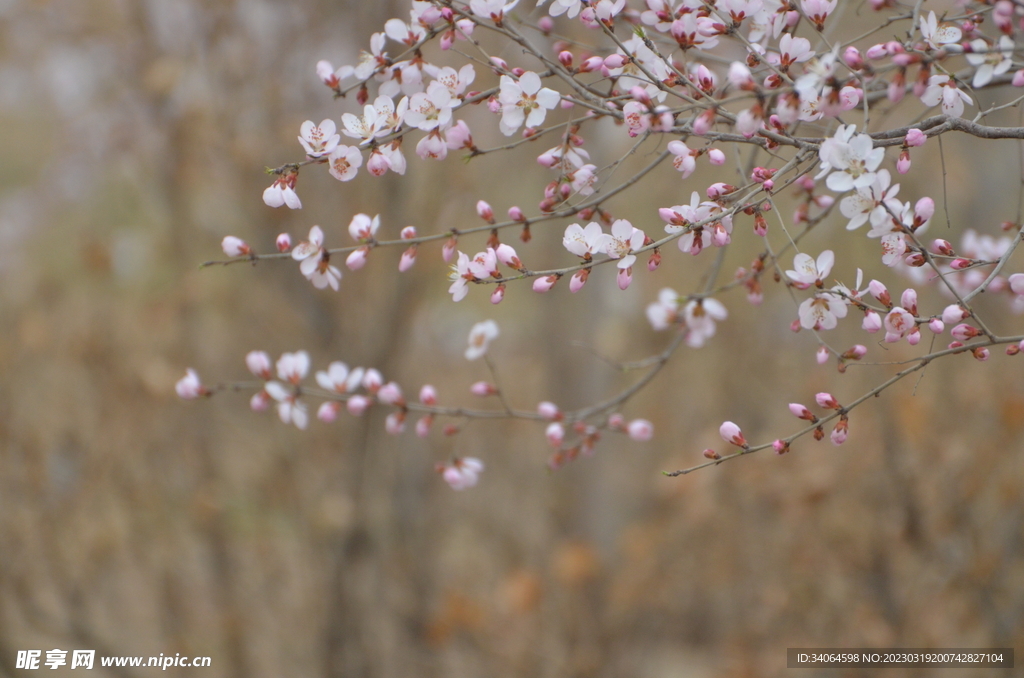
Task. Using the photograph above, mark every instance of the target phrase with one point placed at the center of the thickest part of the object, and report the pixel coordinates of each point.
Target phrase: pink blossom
(339, 378)
(362, 228)
(663, 313)
(822, 311)
(684, 160)
(549, 410)
(391, 394)
(640, 430)
(283, 243)
(555, 433)
(358, 404)
(623, 241)
(190, 387)
(731, 433)
(898, 323)
(258, 363)
(935, 35)
(344, 162)
(235, 247)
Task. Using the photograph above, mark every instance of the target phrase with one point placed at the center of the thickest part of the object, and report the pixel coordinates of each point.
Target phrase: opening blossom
(316, 261)
(851, 159)
(480, 338)
(524, 101)
(623, 241)
(291, 368)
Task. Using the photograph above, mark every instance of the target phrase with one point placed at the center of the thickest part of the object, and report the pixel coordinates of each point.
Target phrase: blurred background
(134, 137)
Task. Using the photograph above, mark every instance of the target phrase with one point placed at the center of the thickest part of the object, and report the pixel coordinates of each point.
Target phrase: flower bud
(485, 212)
(258, 363)
(423, 425)
(1016, 283)
(821, 355)
(357, 258)
(235, 247)
(826, 401)
(716, 156)
(428, 395)
(545, 283)
(614, 61)
(407, 260)
(801, 412)
(328, 411)
(936, 326)
(284, 243)
(640, 430)
(482, 389)
(711, 454)
(498, 295)
(780, 446)
(259, 401)
(731, 433)
(394, 423)
(391, 394)
(555, 433)
(357, 405)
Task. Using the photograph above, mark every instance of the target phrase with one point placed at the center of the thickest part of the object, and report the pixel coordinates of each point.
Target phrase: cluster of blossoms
(683, 79)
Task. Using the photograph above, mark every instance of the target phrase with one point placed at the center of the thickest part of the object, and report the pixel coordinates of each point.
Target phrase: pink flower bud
(378, 164)
(499, 64)
(702, 125)
(260, 401)
(565, 58)
(394, 424)
(827, 401)
(190, 387)
(428, 395)
(549, 410)
(959, 264)
(1018, 78)
(915, 137)
(640, 430)
(876, 52)
(578, 279)
(357, 258)
(407, 260)
(839, 433)
(853, 59)
(372, 380)
(448, 251)
(516, 214)
(903, 162)
(923, 210)
(423, 425)
(936, 326)
(616, 422)
(719, 189)
(794, 326)
(780, 446)
(909, 300)
(624, 277)
(731, 433)
(879, 291)
(234, 247)
(545, 283)
(801, 412)
(555, 433)
(1016, 283)
(546, 24)
(485, 212)
(483, 389)
(963, 332)
(953, 314)
(328, 411)
(357, 405)
(821, 355)
(594, 63)
(284, 242)
(856, 352)
(614, 61)
(980, 353)
(872, 322)
(390, 394)
(507, 255)
(943, 247)
(259, 364)
(711, 454)
(716, 156)
(498, 295)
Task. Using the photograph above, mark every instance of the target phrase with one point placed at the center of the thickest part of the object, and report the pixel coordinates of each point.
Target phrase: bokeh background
(134, 134)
